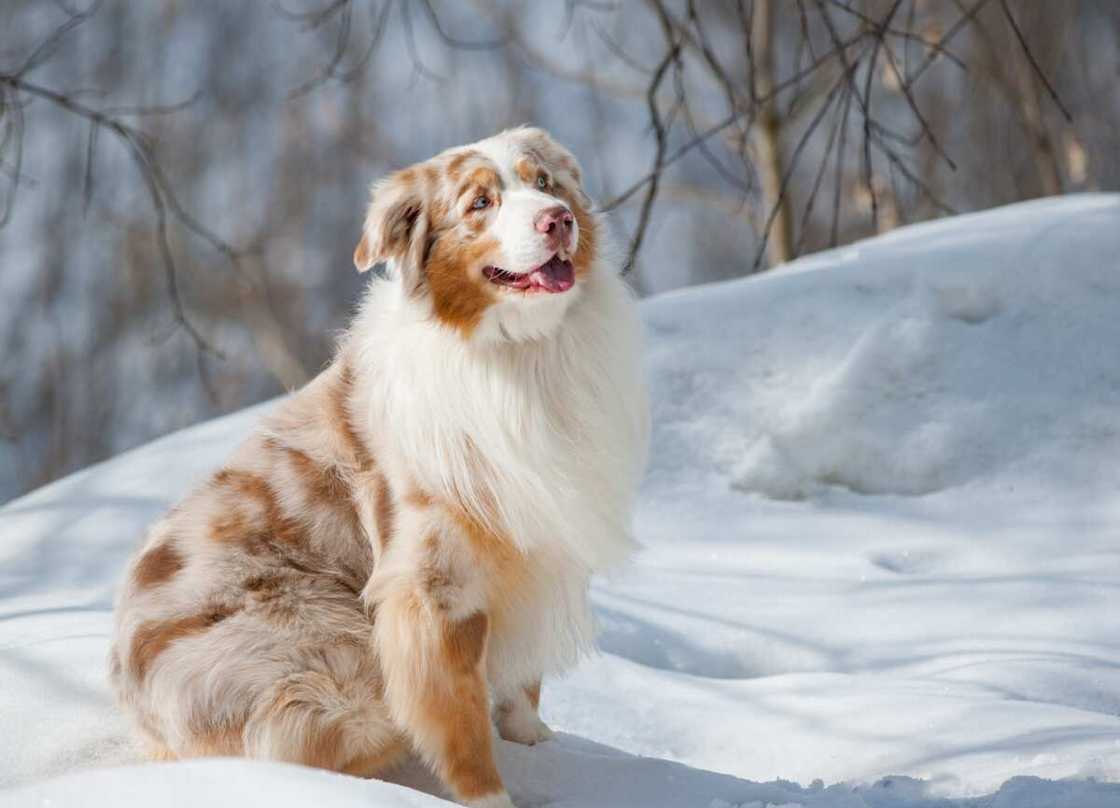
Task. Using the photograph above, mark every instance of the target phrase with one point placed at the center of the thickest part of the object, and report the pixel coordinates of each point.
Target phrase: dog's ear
(396, 226)
(568, 164)
(573, 169)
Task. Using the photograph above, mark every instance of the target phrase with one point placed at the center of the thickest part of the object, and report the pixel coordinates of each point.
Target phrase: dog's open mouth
(554, 275)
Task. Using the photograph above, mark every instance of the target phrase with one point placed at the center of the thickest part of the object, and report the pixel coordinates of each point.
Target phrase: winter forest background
(182, 181)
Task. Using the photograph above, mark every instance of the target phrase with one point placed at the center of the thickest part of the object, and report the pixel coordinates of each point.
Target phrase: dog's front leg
(430, 630)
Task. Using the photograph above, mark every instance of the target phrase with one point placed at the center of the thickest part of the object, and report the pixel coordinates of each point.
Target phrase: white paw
(499, 800)
(523, 726)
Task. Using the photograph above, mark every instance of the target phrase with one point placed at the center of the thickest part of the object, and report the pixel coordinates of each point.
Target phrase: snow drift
(881, 526)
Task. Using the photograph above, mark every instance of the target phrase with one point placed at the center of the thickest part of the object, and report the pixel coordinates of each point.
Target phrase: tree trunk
(768, 140)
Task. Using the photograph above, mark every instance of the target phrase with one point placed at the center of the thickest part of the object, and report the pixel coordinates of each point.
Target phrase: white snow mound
(975, 350)
(881, 525)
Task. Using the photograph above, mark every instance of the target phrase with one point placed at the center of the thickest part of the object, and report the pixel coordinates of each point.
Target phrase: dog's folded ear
(396, 225)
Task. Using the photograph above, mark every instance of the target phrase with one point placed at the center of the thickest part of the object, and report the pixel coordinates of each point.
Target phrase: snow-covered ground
(882, 530)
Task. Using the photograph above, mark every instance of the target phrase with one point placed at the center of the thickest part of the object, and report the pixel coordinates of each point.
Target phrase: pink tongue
(555, 276)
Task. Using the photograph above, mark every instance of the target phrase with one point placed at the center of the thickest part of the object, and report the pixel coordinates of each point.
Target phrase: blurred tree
(181, 184)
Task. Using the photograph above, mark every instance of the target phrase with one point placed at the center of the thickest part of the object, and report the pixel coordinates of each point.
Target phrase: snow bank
(979, 350)
(582, 778)
(881, 527)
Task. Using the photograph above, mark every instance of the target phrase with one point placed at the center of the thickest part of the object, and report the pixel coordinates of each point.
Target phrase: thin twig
(159, 192)
(721, 125)
(461, 44)
(794, 160)
(1034, 64)
(953, 30)
(660, 135)
(937, 47)
(927, 130)
(870, 74)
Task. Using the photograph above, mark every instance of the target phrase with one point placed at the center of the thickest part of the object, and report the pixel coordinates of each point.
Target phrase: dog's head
(496, 237)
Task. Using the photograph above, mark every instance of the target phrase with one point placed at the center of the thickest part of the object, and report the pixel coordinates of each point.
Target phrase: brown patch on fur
(475, 224)
(479, 528)
(324, 487)
(247, 484)
(485, 542)
(266, 586)
(323, 484)
(236, 524)
(457, 163)
(442, 691)
(533, 691)
(158, 565)
(468, 758)
(482, 179)
(459, 300)
(438, 212)
(385, 511)
(419, 499)
(237, 527)
(588, 245)
(217, 742)
(542, 148)
(527, 170)
(492, 548)
(372, 764)
(431, 175)
(271, 595)
(322, 740)
(338, 399)
(461, 711)
(324, 747)
(434, 577)
(464, 642)
(154, 637)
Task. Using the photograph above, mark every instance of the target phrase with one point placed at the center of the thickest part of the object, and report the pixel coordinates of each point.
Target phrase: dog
(402, 549)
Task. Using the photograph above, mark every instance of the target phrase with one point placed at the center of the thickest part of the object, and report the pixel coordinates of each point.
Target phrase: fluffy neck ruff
(542, 440)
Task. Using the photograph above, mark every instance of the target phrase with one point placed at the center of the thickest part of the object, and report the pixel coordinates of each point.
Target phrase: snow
(881, 534)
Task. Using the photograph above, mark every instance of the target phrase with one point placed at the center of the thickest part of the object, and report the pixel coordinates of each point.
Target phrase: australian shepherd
(401, 550)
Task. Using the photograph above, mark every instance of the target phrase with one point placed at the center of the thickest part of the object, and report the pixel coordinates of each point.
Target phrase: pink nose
(556, 225)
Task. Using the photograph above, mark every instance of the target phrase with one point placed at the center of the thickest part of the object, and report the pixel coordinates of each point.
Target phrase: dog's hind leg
(309, 718)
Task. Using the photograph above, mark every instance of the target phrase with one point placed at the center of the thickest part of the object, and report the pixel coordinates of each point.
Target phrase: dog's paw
(499, 800)
(523, 726)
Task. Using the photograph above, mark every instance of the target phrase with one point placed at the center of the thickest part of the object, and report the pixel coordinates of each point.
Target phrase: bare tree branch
(660, 134)
(47, 48)
(461, 44)
(720, 126)
(795, 157)
(159, 195)
(954, 29)
(1034, 63)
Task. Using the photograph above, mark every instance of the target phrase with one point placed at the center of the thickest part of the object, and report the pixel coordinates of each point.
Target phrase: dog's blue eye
(480, 202)
(542, 182)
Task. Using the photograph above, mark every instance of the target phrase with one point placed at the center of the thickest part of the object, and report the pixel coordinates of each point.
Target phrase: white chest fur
(549, 435)
(543, 440)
